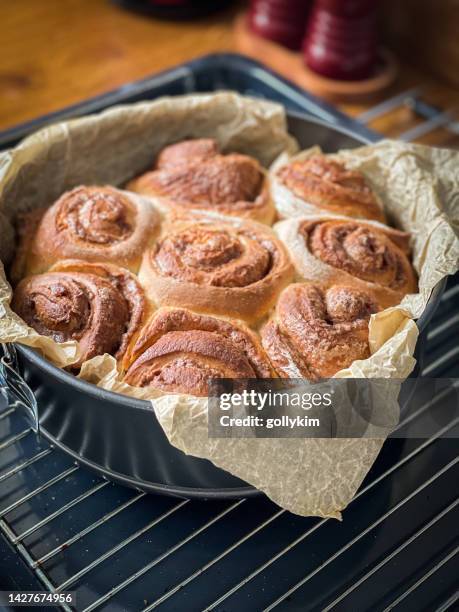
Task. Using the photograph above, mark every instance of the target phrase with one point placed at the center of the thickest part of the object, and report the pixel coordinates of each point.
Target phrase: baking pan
(119, 436)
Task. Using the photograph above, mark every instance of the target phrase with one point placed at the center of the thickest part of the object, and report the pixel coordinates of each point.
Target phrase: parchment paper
(419, 187)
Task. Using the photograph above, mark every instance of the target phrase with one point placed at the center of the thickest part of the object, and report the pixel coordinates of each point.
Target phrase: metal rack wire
(121, 549)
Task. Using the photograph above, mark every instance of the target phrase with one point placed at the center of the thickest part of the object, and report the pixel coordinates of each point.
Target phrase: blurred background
(354, 53)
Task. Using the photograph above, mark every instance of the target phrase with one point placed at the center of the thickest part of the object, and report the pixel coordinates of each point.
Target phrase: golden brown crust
(328, 185)
(186, 151)
(193, 175)
(232, 268)
(179, 351)
(100, 305)
(98, 224)
(316, 332)
(362, 251)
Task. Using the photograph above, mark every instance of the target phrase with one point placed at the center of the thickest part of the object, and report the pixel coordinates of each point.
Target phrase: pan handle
(14, 388)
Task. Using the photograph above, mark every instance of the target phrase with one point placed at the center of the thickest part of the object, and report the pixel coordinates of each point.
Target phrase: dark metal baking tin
(119, 436)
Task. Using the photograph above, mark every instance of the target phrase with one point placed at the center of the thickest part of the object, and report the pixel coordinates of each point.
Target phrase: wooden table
(58, 52)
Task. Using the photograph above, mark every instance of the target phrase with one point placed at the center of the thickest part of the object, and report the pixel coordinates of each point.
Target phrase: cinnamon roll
(98, 224)
(101, 306)
(319, 183)
(217, 266)
(179, 351)
(195, 175)
(316, 331)
(367, 255)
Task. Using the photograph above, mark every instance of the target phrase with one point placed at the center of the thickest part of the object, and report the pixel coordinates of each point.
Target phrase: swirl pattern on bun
(315, 331)
(97, 224)
(218, 266)
(179, 351)
(367, 255)
(101, 306)
(321, 184)
(195, 175)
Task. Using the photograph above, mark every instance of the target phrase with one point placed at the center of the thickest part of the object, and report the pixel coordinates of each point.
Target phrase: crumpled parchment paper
(419, 187)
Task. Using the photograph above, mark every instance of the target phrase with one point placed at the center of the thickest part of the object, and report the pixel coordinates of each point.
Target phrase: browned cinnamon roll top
(328, 185)
(195, 175)
(99, 305)
(97, 224)
(361, 250)
(179, 351)
(231, 268)
(318, 331)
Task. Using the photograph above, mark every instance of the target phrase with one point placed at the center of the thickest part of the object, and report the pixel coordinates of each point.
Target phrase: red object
(282, 21)
(348, 8)
(341, 40)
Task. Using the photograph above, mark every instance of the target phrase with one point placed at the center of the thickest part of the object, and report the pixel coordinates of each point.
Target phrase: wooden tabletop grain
(57, 52)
